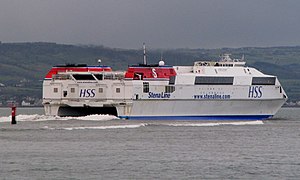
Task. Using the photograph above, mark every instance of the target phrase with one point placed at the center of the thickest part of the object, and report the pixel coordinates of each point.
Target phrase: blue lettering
(212, 96)
(82, 93)
(159, 95)
(93, 92)
(260, 92)
(250, 91)
(255, 92)
(87, 93)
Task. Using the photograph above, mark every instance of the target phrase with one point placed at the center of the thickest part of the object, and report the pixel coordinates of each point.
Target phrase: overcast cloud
(159, 23)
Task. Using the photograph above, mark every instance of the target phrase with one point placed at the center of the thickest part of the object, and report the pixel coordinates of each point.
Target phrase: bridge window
(172, 80)
(55, 90)
(83, 77)
(138, 76)
(100, 90)
(169, 89)
(145, 87)
(263, 80)
(99, 76)
(61, 77)
(72, 90)
(108, 76)
(213, 80)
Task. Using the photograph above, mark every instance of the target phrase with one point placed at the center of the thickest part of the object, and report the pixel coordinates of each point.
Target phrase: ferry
(208, 90)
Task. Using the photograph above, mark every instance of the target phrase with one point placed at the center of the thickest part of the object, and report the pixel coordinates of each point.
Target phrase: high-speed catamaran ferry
(208, 90)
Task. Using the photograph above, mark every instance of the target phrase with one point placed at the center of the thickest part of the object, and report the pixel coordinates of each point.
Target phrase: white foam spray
(99, 127)
(37, 117)
(239, 123)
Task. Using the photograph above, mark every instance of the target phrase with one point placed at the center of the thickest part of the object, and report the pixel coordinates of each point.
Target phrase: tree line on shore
(24, 65)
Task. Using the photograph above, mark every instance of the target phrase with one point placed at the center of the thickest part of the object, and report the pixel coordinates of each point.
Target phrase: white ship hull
(204, 110)
(184, 109)
(206, 91)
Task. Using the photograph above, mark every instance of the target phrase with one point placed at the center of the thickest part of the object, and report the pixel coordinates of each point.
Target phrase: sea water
(105, 147)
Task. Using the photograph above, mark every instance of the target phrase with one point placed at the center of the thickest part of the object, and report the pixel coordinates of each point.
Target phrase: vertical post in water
(13, 114)
(144, 47)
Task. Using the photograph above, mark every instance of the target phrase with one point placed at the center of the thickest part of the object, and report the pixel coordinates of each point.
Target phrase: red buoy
(13, 115)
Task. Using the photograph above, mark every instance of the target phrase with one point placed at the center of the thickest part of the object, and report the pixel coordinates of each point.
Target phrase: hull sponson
(191, 109)
(208, 118)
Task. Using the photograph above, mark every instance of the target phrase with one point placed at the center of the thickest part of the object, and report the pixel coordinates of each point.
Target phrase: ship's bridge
(76, 68)
(225, 61)
(89, 76)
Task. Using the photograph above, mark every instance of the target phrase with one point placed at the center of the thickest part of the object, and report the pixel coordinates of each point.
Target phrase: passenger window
(169, 89)
(145, 87)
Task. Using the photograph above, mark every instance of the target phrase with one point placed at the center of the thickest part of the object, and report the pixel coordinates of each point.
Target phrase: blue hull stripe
(228, 118)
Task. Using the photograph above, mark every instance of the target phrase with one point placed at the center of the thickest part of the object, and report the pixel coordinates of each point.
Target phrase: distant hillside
(24, 65)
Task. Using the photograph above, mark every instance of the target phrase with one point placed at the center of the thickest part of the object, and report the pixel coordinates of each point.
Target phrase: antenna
(144, 47)
(243, 57)
(161, 62)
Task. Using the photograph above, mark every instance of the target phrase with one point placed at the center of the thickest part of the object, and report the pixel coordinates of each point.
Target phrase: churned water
(103, 147)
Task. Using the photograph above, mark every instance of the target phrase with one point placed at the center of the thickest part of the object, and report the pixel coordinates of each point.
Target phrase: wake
(37, 117)
(155, 124)
(207, 124)
(99, 127)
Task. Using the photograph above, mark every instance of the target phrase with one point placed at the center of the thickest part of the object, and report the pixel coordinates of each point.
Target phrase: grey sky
(159, 23)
